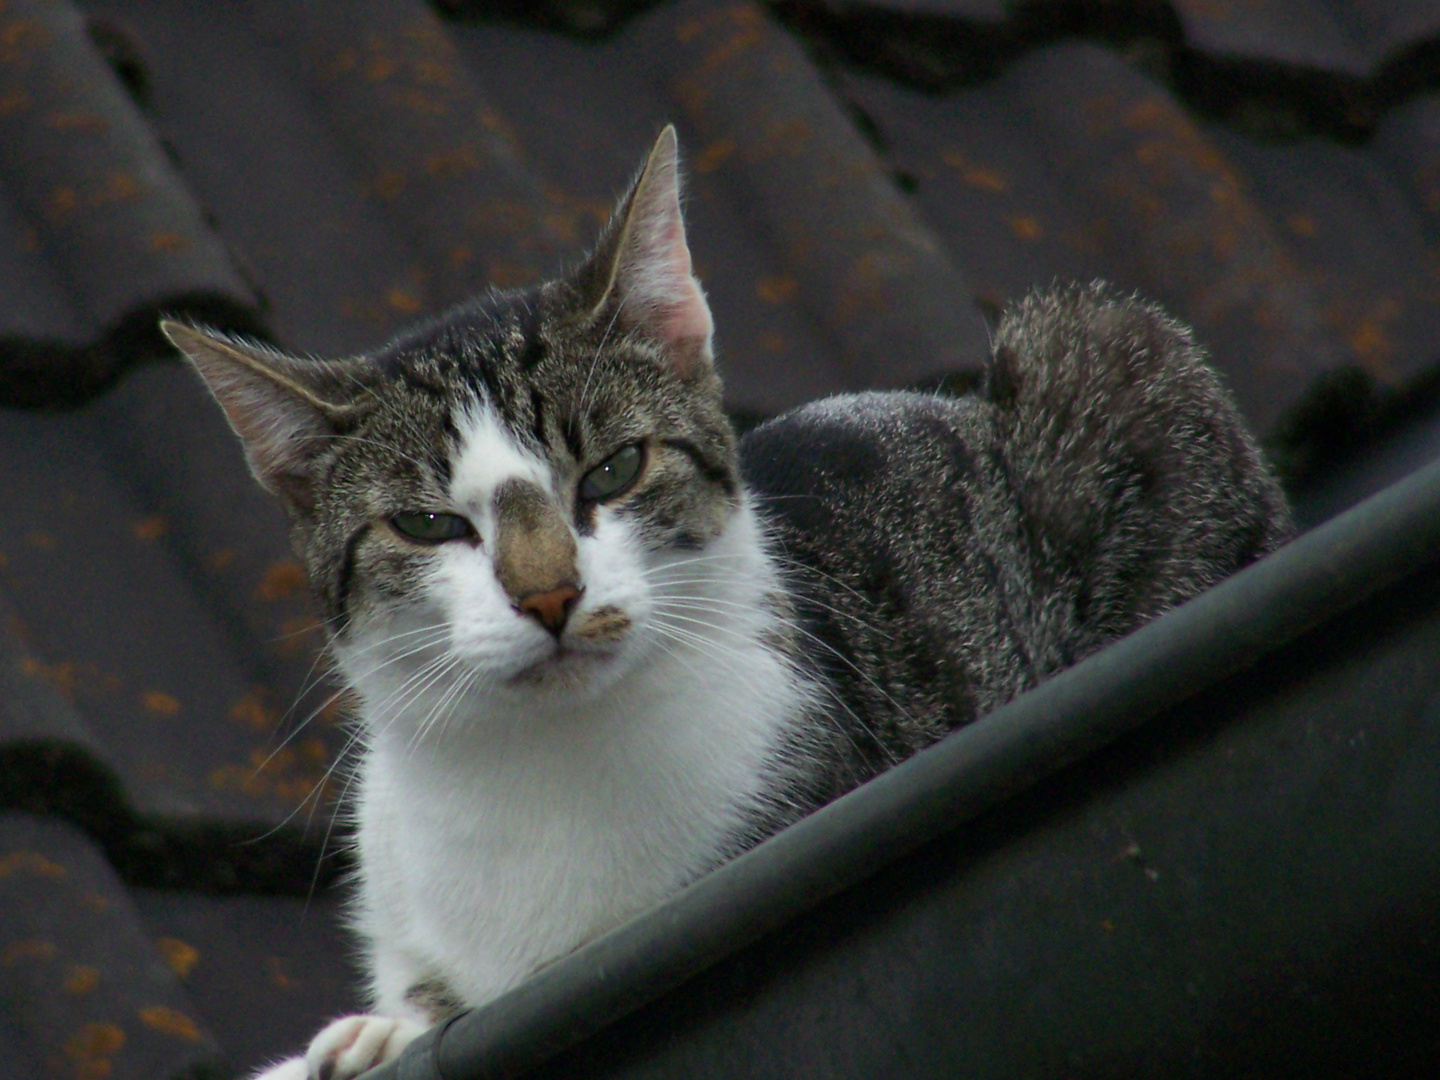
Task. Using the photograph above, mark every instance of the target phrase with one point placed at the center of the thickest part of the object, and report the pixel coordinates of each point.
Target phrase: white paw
(353, 1044)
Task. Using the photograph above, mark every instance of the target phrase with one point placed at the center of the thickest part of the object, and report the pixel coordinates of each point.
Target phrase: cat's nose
(551, 608)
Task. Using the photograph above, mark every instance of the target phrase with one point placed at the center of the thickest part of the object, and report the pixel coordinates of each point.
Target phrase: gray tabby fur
(946, 554)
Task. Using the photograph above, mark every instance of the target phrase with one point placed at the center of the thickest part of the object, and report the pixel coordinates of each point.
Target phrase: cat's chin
(566, 670)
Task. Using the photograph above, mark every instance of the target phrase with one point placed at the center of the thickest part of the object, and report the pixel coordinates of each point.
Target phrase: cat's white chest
(521, 837)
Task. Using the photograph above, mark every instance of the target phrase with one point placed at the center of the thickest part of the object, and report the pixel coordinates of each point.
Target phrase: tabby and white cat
(599, 650)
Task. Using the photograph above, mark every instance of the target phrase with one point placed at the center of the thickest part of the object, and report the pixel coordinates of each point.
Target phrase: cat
(600, 647)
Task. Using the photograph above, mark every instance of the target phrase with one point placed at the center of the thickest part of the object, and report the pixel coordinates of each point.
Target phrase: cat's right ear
(282, 408)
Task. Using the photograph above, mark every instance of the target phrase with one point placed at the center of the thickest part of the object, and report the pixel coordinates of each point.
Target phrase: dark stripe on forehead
(711, 470)
(480, 374)
(534, 350)
(441, 454)
(570, 429)
(537, 420)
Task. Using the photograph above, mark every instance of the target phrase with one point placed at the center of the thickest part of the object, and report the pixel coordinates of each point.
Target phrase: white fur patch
(517, 798)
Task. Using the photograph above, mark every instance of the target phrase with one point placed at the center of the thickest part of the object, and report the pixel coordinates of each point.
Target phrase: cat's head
(501, 489)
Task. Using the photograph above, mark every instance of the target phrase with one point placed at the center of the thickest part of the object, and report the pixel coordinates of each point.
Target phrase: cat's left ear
(641, 274)
(283, 408)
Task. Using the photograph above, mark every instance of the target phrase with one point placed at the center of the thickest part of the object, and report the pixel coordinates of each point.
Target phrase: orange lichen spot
(81, 979)
(281, 580)
(746, 29)
(171, 1022)
(151, 528)
(1151, 153)
(253, 711)
(119, 187)
(1146, 113)
(220, 558)
(160, 703)
(508, 275)
(403, 301)
(495, 122)
(777, 289)
(61, 676)
(26, 949)
(77, 121)
(1026, 228)
(280, 760)
(92, 1047)
(166, 243)
(38, 538)
(1301, 225)
(235, 778)
(180, 956)
(338, 709)
(315, 752)
(388, 183)
(1370, 342)
(30, 864)
(22, 34)
(712, 155)
(979, 176)
(434, 73)
(14, 102)
(299, 636)
(379, 68)
(275, 972)
(454, 163)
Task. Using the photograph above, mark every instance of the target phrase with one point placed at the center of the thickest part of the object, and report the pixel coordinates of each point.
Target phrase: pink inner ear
(660, 283)
(687, 318)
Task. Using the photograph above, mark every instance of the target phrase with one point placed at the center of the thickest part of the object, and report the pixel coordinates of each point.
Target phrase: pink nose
(552, 608)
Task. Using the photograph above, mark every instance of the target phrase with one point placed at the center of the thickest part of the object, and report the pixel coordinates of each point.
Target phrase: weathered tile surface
(84, 991)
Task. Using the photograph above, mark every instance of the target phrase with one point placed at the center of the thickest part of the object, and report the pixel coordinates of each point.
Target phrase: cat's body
(598, 652)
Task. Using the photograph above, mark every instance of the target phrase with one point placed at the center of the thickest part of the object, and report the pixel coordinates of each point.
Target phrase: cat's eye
(425, 527)
(614, 475)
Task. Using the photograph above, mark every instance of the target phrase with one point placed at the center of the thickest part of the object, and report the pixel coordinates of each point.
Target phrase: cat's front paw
(353, 1044)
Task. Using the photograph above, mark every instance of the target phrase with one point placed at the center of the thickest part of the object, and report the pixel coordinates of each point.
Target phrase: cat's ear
(641, 272)
(281, 407)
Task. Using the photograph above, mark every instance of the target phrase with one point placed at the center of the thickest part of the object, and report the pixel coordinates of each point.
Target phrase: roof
(868, 183)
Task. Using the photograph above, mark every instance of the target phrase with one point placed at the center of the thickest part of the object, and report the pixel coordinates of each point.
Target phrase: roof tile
(1074, 164)
(90, 186)
(82, 986)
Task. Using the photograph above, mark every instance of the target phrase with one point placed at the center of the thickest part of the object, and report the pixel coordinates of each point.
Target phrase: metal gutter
(1311, 581)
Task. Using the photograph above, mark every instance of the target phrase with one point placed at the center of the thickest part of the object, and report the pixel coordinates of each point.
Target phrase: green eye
(613, 475)
(431, 528)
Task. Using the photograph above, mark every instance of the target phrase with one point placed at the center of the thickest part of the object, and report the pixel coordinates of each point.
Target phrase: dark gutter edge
(1312, 580)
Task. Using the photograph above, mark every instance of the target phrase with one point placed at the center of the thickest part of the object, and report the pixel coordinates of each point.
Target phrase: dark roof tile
(583, 113)
(1408, 138)
(267, 972)
(1354, 233)
(82, 986)
(175, 693)
(1074, 164)
(1347, 37)
(90, 186)
(866, 266)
